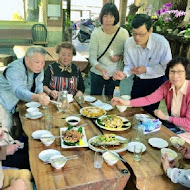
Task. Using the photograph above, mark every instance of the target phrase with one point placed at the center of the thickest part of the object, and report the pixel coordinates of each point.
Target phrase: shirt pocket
(153, 61)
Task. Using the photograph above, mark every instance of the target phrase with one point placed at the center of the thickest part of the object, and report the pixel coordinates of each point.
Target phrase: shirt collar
(149, 43)
(183, 89)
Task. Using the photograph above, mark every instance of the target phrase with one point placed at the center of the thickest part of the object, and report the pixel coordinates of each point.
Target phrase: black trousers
(144, 87)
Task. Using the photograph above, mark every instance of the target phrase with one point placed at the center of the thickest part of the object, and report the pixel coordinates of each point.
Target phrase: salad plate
(115, 148)
(45, 155)
(131, 146)
(82, 142)
(33, 104)
(113, 123)
(158, 142)
(37, 134)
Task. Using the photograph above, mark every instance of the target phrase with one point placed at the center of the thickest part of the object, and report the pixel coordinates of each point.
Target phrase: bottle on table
(116, 92)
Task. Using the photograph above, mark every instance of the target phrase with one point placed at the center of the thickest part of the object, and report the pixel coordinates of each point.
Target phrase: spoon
(66, 157)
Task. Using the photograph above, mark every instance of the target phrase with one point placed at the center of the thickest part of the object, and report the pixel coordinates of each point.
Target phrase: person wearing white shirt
(146, 55)
(176, 175)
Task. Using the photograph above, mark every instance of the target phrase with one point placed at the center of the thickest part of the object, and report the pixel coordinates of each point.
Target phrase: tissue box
(150, 125)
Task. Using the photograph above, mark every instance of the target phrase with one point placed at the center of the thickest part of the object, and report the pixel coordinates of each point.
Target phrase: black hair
(141, 19)
(178, 60)
(109, 8)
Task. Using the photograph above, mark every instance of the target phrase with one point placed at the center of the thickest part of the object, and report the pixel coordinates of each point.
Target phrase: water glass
(139, 133)
(137, 152)
(63, 100)
(98, 160)
(81, 99)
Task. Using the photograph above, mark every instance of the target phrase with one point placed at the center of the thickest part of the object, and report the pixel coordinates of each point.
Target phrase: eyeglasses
(172, 72)
(140, 34)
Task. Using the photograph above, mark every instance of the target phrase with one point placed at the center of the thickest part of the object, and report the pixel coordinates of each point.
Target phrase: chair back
(39, 34)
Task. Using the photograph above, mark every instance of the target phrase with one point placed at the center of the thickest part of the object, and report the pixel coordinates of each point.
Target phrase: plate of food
(112, 142)
(73, 137)
(113, 123)
(45, 155)
(92, 112)
(33, 104)
(158, 142)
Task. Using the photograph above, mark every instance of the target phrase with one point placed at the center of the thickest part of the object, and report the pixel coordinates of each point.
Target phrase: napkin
(102, 105)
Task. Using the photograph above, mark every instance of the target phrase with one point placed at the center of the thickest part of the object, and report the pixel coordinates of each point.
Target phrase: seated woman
(9, 180)
(175, 92)
(63, 75)
(176, 175)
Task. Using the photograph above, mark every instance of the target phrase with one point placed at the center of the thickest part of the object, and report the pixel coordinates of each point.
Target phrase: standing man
(146, 56)
(22, 80)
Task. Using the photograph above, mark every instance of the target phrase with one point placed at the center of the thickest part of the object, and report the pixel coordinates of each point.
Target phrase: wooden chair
(39, 34)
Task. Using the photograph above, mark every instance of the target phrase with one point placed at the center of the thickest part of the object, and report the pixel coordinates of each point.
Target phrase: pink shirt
(164, 92)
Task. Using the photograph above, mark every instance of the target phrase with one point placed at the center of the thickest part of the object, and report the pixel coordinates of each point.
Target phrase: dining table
(79, 60)
(146, 174)
(78, 173)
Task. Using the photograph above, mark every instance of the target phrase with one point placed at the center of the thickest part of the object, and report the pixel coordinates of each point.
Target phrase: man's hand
(119, 75)
(185, 152)
(11, 149)
(166, 164)
(160, 114)
(138, 70)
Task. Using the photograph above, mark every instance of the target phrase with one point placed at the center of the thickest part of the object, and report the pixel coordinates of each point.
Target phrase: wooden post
(122, 11)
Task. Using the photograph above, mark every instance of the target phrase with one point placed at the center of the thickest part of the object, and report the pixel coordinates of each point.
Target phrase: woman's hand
(54, 94)
(1, 134)
(166, 164)
(115, 58)
(160, 114)
(184, 151)
(105, 74)
(120, 101)
(79, 93)
(11, 149)
(119, 75)
(43, 99)
(18, 184)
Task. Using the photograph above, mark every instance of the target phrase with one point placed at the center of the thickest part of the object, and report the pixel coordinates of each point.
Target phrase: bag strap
(109, 44)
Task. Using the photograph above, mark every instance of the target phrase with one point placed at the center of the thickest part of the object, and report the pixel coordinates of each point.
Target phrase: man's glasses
(140, 34)
(180, 72)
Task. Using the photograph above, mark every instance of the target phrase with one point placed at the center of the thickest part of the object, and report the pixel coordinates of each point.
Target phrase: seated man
(22, 80)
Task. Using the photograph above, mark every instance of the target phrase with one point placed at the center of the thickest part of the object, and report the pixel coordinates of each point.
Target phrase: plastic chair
(39, 34)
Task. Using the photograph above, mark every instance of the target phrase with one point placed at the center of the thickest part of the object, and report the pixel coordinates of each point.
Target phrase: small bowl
(109, 158)
(58, 161)
(121, 108)
(70, 97)
(171, 154)
(125, 97)
(47, 141)
(73, 120)
(177, 141)
(33, 109)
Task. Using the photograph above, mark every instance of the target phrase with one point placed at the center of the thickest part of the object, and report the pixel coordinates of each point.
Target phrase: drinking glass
(137, 152)
(98, 160)
(63, 100)
(139, 133)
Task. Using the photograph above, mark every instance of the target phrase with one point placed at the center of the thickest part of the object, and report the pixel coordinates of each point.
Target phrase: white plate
(33, 104)
(89, 98)
(37, 134)
(102, 105)
(45, 155)
(158, 142)
(84, 139)
(111, 148)
(33, 117)
(130, 146)
(114, 129)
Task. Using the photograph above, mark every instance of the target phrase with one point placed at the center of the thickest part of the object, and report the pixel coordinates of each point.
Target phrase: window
(21, 10)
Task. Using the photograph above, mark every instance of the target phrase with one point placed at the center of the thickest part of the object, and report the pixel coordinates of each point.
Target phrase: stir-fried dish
(92, 112)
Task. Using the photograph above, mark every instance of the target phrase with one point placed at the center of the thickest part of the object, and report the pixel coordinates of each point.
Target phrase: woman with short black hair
(104, 58)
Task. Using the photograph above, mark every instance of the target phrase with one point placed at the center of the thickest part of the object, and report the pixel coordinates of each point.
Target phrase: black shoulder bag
(109, 44)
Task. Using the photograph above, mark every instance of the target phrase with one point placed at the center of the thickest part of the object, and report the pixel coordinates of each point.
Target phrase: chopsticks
(114, 154)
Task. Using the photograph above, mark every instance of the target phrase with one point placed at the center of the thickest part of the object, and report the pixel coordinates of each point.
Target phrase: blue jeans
(98, 83)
